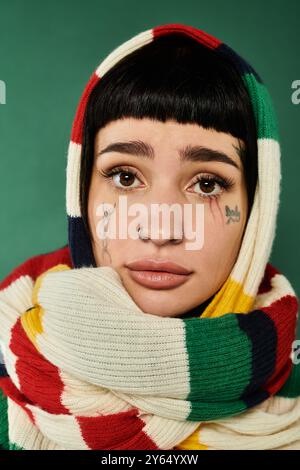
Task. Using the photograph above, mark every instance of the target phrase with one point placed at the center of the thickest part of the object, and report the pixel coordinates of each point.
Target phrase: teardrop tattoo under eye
(225, 183)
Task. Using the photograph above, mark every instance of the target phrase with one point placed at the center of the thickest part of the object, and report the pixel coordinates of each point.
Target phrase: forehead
(166, 137)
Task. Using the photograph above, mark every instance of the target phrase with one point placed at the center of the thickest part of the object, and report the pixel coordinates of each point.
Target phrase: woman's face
(167, 165)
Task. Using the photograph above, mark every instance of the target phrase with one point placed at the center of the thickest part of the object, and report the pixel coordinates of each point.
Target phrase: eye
(122, 178)
(208, 186)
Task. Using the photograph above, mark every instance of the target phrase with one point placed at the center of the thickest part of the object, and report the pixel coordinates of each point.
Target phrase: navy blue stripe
(256, 398)
(80, 244)
(3, 371)
(262, 333)
(242, 65)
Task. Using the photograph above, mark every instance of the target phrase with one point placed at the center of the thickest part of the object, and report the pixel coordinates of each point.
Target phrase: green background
(48, 50)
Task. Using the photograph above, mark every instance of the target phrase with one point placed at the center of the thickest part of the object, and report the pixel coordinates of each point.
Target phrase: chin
(159, 302)
(153, 306)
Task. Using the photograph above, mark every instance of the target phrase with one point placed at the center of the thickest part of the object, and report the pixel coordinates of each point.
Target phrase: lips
(157, 265)
(158, 274)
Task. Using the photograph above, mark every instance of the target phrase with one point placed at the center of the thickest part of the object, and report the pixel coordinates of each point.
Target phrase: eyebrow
(191, 153)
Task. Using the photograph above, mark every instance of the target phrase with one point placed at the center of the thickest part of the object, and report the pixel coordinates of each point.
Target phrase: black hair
(172, 78)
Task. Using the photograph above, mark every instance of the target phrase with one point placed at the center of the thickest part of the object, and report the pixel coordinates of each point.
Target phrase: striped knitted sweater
(119, 378)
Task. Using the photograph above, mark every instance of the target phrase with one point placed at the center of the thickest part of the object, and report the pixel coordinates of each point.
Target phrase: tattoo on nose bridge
(232, 214)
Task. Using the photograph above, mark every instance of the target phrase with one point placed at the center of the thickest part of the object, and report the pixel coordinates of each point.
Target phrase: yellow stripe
(32, 323)
(192, 443)
(31, 320)
(37, 285)
(229, 299)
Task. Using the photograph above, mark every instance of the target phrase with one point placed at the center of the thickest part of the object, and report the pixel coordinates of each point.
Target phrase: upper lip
(151, 264)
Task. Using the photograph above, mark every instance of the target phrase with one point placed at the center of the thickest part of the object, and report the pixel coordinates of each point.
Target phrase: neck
(197, 311)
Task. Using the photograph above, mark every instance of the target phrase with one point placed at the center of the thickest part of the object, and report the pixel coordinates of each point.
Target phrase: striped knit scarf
(89, 370)
(85, 368)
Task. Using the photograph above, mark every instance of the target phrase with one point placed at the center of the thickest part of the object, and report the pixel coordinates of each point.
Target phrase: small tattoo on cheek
(107, 216)
(232, 214)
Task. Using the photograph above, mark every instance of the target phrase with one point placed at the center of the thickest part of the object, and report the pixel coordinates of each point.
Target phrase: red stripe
(10, 390)
(39, 380)
(198, 34)
(265, 285)
(76, 134)
(120, 431)
(283, 314)
(36, 265)
(277, 381)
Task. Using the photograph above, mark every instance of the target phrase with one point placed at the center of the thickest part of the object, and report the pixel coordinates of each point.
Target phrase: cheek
(97, 195)
(109, 252)
(214, 211)
(223, 229)
(226, 215)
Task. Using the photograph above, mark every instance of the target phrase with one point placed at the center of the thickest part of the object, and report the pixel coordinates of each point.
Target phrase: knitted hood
(257, 242)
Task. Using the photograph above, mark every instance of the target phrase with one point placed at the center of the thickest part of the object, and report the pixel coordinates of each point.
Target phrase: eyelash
(225, 183)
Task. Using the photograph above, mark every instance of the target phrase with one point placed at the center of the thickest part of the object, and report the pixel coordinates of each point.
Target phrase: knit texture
(85, 368)
(119, 378)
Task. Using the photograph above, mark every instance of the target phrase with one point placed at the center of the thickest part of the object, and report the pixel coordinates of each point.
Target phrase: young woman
(153, 340)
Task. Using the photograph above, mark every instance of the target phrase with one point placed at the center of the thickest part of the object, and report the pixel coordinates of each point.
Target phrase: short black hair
(172, 78)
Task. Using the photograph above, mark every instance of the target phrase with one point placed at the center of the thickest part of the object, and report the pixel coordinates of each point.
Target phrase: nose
(161, 235)
(162, 241)
(162, 221)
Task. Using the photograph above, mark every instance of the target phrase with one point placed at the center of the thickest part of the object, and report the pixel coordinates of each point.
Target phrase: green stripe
(4, 444)
(4, 440)
(13, 446)
(291, 388)
(265, 116)
(216, 387)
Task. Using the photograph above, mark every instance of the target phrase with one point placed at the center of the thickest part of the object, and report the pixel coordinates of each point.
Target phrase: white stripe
(10, 361)
(84, 399)
(167, 433)
(154, 363)
(259, 234)
(14, 301)
(280, 287)
(60, 428)
(123, 50)
(73, 179)
(256, 429)
(165, 407)
(221, 438)
(23, 432)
